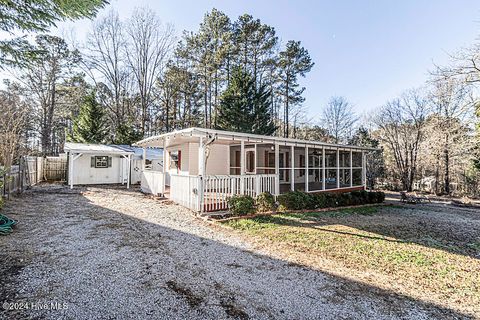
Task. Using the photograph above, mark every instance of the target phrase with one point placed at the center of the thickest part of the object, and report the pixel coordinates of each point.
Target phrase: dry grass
(429, 253)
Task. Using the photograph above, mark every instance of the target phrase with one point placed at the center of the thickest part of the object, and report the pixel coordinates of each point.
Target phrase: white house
(108, 164)
(203, 167)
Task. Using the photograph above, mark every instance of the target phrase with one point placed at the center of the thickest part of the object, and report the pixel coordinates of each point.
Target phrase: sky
(367, 51)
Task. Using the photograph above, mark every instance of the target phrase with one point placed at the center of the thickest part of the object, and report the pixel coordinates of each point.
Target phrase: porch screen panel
(315, 172)
(299, 170)
(330, 169)
(344, 168)
(357, 168)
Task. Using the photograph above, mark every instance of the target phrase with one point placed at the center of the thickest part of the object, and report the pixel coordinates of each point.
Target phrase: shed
(97, 164)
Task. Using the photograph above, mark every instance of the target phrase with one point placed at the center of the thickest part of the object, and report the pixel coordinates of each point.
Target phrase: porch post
(144, 162)
(201, 157)
(277, 169)
(364, 170)
(323, 168)
(338, 168)
(306, 168)
(292, 173)
(242, 167)
(201, 173)
(128, 171)
(70, 170)
(351, 168)
(256, 162)
(164, 167)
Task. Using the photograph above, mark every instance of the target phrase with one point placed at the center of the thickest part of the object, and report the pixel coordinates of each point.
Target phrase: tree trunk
(447, 165)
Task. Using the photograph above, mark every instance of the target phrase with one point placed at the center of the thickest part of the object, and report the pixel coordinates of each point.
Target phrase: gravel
(105, 253)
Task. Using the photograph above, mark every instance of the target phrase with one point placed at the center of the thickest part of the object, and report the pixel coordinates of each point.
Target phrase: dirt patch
(192, 299)
(232, 309)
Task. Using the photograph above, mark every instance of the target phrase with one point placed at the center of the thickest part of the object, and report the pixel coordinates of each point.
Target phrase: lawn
(426, 252)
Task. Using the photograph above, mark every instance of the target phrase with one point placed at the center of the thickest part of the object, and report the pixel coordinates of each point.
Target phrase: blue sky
(367, 51)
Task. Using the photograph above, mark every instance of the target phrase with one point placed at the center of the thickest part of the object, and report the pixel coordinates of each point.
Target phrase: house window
(176, 160)
(101, 162)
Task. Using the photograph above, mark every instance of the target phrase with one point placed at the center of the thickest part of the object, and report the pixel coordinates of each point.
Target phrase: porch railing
(152, 182)
(209, 193)
(217, 189)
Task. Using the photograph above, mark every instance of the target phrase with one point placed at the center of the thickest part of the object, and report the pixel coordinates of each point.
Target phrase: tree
(89, 126)
(242, 108)
(339, 119)
(127, 133)
(43, 79)
(13, 123)
(37, 16)
(401, 128)
(147, 51)
(451, 102)
(375, 165)
(105, 63)
(294, 61)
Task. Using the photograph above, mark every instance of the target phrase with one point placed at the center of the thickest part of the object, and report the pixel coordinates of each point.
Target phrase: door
(250, 161)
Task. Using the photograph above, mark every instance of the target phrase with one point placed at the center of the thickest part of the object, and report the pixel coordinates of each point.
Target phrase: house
(108, 164)
(204, 167)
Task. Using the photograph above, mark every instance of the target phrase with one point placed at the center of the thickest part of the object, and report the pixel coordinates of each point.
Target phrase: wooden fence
(30, 171)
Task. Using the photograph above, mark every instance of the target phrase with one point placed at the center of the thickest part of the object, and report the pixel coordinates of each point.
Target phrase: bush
(241, 205)
(294, 200)
(297, 200)
(265, 202)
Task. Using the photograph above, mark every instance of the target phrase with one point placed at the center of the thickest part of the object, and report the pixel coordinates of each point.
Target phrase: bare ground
(108, 253)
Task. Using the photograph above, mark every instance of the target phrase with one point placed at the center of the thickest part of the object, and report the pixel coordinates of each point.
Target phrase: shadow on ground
(106, 263)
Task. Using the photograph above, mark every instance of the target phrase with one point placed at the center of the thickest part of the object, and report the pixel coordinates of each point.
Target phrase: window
(101, 162)
(176, 160)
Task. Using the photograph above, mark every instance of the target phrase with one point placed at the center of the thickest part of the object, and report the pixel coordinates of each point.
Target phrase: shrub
(293, 200)
(265, 202)
(380, 196)
(241, 205)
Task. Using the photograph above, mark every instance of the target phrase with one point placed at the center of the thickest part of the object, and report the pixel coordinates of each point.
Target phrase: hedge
(297, 200)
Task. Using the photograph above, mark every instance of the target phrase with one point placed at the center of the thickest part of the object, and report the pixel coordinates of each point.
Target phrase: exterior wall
(184, 160)
(217, 162)
(83, 173)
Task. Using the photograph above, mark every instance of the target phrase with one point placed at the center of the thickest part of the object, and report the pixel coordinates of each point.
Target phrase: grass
(401, 252)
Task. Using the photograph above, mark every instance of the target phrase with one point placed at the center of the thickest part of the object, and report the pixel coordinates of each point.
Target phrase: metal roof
(230, 137)
(94, 148)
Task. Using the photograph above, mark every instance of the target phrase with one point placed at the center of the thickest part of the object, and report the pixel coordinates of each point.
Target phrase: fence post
(200, 193)
(21, 171)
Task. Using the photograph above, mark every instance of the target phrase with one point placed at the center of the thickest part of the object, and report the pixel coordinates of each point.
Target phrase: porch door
(250, 161)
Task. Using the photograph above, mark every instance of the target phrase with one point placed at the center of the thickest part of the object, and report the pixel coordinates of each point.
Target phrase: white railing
(185, 190)
(217, 189)
(209, 193)
(152, 182)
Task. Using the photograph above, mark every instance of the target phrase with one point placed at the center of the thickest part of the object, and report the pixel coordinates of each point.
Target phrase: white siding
(217, 162)
(83, 173)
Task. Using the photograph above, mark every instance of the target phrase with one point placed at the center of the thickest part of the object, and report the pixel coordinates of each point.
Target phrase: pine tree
(127, 133)
(294, 61)
(243, 109)
(89, 126)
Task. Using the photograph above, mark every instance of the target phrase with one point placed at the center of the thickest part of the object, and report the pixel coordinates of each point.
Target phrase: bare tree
(339, 119)
(12, 126)
(452, 103)
(105, 63)
(401, 124)
(42, 81)
(147, 51)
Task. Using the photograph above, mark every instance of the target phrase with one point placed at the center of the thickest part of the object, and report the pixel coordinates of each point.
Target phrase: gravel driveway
(109, 253)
